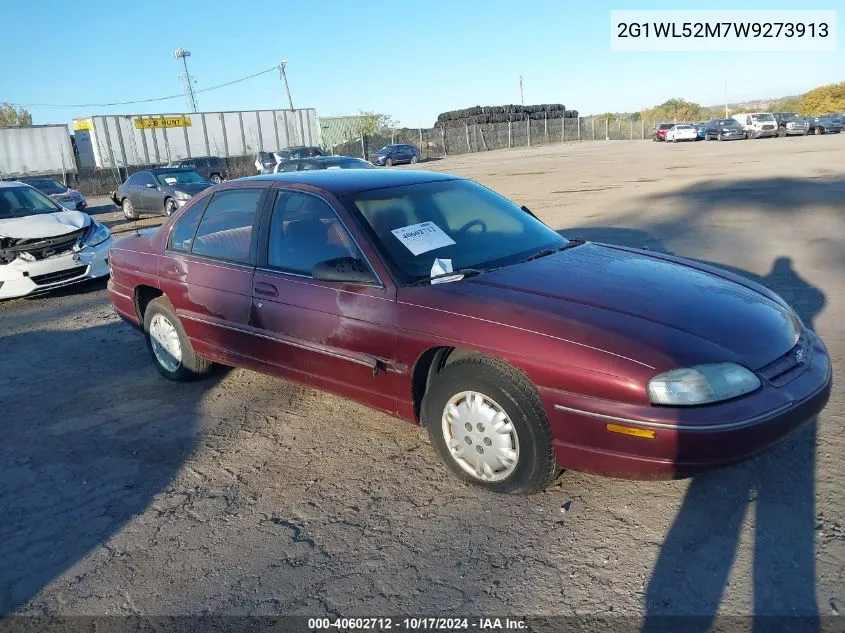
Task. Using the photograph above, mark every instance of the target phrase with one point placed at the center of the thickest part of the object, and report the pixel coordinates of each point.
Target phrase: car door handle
(265, 289)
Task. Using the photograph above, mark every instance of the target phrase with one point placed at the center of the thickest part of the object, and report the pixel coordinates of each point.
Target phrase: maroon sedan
(437, 300)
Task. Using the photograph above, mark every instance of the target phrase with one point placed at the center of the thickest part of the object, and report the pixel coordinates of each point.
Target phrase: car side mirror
(346, 269)
(150, 185)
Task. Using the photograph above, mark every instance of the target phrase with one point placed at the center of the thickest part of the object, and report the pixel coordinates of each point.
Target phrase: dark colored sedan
(396, 154)
(724, 130)
(64, 195)
(436, 300)
(161, 190)
(210, 167)
(824, 125)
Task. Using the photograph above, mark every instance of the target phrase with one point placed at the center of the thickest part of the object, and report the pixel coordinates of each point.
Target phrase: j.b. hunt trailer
(146, 139)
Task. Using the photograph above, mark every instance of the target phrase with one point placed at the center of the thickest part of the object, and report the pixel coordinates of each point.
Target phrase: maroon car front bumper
(651, 442)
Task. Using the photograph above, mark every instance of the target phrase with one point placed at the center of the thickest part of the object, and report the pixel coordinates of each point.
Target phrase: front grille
(59, 276)
(788, 366)
(49, 247)
(768, 127)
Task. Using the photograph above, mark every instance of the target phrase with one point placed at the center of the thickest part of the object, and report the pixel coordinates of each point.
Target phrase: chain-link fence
(346, 137)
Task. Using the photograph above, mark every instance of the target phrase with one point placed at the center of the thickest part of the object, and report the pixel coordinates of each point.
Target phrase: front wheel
(487, 423)
(216, 178)
(170, 207)
(819, 131)
(172, 353)
(720, 137)
(781, 132)
(388, 162)
(414, 159)
(128, 210)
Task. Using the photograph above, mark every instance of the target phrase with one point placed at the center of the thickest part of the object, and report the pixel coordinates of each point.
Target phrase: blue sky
(411, 60)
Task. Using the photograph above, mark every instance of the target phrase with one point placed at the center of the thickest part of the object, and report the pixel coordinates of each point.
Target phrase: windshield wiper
(466, 272)
(551, 251)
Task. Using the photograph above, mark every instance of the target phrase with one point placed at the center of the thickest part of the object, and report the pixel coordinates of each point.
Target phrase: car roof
(181, 160)
(344, 181)
(8, 184)
(163, 170)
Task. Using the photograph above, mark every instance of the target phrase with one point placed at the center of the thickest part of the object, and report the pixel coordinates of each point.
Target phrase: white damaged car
(43, 246)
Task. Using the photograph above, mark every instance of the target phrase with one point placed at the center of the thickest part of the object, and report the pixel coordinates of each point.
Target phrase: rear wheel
(487, 423)
(172, 353)
(128, 210)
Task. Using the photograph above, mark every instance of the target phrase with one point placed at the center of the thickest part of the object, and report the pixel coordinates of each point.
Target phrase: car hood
(646, 307)
(43, 225)
(189, 188)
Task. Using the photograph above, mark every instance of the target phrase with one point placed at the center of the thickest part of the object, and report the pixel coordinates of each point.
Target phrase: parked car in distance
(724, 130)
(757, 124)
(320, 162)
(44, 246)
(266, 161)
(681, 132)
(700, 129)
(396, 154)
(824, 125)
(160, 190)
(790, 124)
(659, 133)
(439, 301)
(64, 195)
(209, 167)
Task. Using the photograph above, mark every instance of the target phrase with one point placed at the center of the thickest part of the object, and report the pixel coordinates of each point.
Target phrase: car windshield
(762, 118)
(180, 178)
(18, 202)
(46, 185)
(456, 220)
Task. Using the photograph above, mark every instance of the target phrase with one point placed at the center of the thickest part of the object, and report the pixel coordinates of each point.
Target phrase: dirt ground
(123, 493)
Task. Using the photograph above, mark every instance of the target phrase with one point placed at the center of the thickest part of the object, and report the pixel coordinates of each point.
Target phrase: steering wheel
(466, 227)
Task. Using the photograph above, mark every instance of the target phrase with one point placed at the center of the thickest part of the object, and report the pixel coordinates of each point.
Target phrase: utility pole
(521, 96)
(284, 77)
(726, 97)
(184, 54)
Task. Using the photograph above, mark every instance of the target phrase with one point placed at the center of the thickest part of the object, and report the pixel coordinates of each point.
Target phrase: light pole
(284, 76)
(184, 54)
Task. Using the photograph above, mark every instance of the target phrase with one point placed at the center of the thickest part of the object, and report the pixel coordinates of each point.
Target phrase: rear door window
(225, 231)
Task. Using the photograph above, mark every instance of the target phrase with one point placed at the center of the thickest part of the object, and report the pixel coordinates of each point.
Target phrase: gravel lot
(123, 493)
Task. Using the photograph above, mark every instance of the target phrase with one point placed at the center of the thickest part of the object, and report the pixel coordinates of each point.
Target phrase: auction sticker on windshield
(423, 237)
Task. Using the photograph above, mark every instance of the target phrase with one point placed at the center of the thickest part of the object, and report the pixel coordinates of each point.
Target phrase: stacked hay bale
(483, 115)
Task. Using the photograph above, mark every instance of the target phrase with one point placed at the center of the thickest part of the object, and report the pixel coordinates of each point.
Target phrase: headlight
(701, 384)
(181, 195)
(99, 235)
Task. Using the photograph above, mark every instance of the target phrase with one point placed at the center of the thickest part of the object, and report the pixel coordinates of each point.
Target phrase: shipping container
(147, 139)
(38, 150)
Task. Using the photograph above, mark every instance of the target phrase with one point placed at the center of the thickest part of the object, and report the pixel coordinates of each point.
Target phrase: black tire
(216, 178)
(720, 137)
(414, 159)
(388, 162)
(818, 131)
(192, 366)
(128, 210)
(782, 132)
(170, 206)
(536, 466)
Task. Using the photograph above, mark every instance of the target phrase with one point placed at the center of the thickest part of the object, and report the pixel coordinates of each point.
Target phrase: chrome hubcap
(480, 436)
(165, 343)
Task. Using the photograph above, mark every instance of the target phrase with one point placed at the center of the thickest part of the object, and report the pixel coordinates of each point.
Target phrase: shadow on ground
(693, 568)
(84, 447)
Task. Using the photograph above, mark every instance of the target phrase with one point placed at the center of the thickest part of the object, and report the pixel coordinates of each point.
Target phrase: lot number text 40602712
(416, 624)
